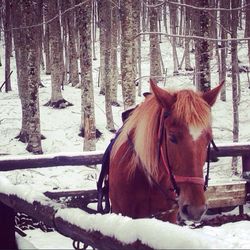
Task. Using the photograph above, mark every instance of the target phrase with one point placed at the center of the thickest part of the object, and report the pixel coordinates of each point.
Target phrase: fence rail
(46, 211)
(10, 162)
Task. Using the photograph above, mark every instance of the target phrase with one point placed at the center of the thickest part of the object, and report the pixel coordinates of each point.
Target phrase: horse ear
(211, 95)
(164, 98)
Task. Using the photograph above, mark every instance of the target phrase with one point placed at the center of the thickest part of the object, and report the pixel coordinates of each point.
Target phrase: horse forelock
(190, 109)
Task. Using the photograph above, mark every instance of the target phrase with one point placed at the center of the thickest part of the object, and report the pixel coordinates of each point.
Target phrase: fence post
(7, 227)
(246, 167)
(246, 174)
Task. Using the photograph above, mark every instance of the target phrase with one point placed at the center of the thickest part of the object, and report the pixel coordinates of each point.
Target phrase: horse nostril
(185, 209)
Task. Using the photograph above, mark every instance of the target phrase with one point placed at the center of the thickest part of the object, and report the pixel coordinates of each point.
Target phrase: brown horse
(156, 162)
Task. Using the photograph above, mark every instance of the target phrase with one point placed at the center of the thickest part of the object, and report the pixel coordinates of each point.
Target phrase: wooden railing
(46, 211)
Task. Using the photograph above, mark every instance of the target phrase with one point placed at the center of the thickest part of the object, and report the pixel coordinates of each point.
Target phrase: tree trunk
(173, 26)
(235, 94)
(188, 66)
(56, 57)
(73, 63)
(21, 57)
(127, 44)
(155, 51)
(202, 65)
(247, 28)
(46, 39)
(33, 77)
(24, 13)
(105, 25)
(102, 17)
(224, 26)
(114, 51)
(87, 90)
(8, 47)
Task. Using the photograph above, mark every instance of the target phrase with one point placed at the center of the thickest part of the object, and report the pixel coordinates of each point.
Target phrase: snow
(61, 128)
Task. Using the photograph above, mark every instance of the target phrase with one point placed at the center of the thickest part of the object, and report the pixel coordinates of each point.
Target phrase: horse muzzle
(192, 213)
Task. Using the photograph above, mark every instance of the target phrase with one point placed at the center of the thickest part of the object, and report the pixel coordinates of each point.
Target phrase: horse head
(187, 134)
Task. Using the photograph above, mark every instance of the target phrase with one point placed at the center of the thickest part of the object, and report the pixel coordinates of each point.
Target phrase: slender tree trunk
(188, 66)
(155, 51)
(114, 54)
(46, 39)
(202, 65)
(56, 57)
(102, 38)
(173, 26)
(24, 13)
(8, 47)
(87, 90)
(235, 94)
(33, 78)
(224, 25)
(105, 23)
(73, 63)
(127, 44)
(247, 28)
(21, 57)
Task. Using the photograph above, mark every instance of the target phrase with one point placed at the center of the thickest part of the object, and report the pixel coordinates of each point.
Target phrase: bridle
(103, 192)
(175, 179)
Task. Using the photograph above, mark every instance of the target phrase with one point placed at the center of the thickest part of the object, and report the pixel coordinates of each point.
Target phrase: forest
(64, 38)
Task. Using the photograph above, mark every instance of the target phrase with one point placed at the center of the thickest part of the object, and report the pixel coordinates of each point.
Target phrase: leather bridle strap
(177, 178)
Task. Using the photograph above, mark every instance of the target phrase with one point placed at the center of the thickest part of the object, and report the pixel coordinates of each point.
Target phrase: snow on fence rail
(108, 231)
(47, 208)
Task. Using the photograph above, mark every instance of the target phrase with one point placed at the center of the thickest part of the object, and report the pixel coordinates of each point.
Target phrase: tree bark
(73, 62)
(46, 39)
(247, 28)
(188, 66)
(173, 26)
(127, 44)
(33, 77)
(235, 94)
(56, 57)
(114, 54)
(202, 64)
(8, 47)
(224, 27)
(21, 57)
(87, 90)
(155, 51)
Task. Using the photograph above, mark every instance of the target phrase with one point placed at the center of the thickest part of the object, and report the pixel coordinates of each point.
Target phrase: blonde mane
(141, 128)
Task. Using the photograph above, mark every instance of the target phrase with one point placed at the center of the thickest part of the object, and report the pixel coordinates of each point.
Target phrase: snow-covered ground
(61, 128)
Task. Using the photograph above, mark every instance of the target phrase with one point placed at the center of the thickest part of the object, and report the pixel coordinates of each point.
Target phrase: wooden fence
(225, 195)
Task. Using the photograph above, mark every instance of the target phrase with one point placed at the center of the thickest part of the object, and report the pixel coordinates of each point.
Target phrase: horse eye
(173, 139)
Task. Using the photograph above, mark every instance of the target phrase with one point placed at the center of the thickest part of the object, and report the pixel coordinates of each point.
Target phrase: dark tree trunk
(8, 47)
(202, 65)
(235, 72)
(127, 45)
(87, 90)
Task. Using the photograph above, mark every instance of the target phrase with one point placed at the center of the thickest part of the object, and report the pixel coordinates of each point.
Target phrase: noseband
(175, 179)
